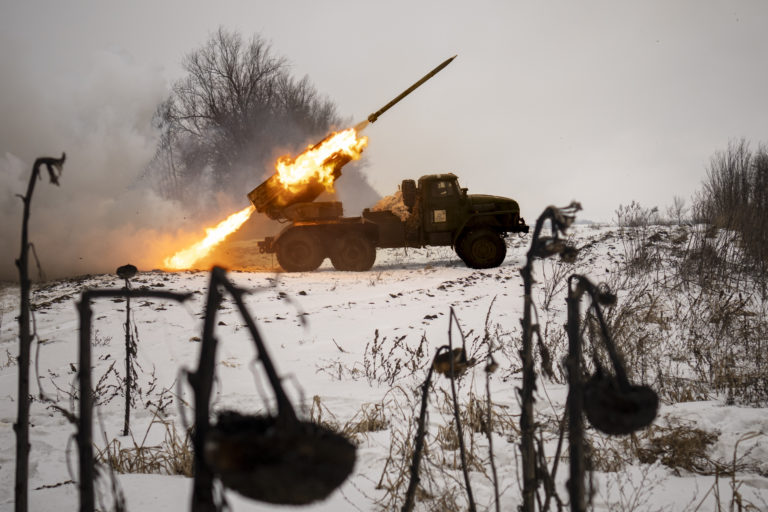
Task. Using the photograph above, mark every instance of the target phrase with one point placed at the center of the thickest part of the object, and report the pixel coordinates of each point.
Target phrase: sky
(599, 101)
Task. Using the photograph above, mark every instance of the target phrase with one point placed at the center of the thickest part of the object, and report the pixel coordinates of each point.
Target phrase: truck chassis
(474, 226)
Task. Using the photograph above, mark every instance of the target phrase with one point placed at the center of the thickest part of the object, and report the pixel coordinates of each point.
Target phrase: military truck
(440, 213)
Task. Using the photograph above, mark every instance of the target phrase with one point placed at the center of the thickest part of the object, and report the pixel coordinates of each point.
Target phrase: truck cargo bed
(391, 228)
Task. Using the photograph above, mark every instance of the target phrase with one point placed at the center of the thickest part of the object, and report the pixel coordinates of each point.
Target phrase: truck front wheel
(299, 250)
(481, 248)
(353, 251)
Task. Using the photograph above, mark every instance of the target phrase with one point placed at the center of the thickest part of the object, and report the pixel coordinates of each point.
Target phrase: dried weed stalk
(369, 418)
(541, 247)
(21, 427)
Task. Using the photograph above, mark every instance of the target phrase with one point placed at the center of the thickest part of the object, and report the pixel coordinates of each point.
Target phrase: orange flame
(213, 236)
(320, 161)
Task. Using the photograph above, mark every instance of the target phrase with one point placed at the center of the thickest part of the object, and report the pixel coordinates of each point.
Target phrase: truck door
(442, 211)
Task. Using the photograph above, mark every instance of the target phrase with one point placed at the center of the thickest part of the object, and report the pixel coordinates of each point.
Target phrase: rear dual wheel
(300, 250)
(353, 251)
(481, 248)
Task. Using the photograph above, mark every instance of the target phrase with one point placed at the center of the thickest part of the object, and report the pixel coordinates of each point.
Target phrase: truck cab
(473, 224)
(444, 205)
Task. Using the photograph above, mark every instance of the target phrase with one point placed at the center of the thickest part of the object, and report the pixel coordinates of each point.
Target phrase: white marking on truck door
(439, 216)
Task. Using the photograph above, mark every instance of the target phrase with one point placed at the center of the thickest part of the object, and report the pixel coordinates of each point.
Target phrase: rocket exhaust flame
(320, 162)
(214, 236)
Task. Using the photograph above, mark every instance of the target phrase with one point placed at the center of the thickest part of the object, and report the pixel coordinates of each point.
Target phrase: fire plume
(213, 236)
(321, 161)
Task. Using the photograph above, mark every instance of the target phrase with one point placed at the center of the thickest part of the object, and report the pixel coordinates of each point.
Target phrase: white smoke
(102, 215)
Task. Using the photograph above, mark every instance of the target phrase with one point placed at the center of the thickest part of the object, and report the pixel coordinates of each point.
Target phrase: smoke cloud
(102, 215)
(105, 213)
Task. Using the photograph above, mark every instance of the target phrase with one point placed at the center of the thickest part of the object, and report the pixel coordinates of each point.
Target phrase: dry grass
(441, 485)
(10, 360)
(385, 361)
(737, 500)
(370, 418)
(627, 495)
(681, 447)
(173, 456)
(695, 327)
(474, 414)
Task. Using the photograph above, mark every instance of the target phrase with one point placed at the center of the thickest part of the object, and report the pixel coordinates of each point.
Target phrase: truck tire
(481, 248)
(299, 250)
(353, 251)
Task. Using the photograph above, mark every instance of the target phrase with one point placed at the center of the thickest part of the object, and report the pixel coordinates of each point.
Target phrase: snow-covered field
(348, 345)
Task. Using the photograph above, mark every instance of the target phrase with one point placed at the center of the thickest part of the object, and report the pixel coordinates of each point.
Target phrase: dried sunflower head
(491, 365)
(569, 254)
(442, 362)
(605, 297)
(126, 271)
(616, 411)
(547, 246)
(260, 456)
(563, 217)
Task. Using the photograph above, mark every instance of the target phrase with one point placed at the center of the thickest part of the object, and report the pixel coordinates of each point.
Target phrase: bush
(734, 197)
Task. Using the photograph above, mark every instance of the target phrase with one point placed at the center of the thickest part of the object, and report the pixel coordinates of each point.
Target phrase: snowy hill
(353, 349)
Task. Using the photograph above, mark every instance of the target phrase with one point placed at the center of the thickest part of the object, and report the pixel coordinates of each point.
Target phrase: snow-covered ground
(347, 344)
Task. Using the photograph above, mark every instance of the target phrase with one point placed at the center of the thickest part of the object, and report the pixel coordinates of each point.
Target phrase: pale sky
(600, 101)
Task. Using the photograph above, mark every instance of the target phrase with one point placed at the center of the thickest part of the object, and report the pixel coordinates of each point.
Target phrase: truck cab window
(443, 189)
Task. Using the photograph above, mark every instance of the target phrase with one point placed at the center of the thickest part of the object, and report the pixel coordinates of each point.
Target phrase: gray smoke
(104, 213)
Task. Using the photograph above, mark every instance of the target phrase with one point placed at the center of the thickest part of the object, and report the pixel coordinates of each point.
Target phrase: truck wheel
(481, 248)
(299, 250)
(353, 251)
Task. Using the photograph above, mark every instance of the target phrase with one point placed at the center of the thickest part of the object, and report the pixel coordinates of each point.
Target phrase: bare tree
(677, 212)
(224, 121)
